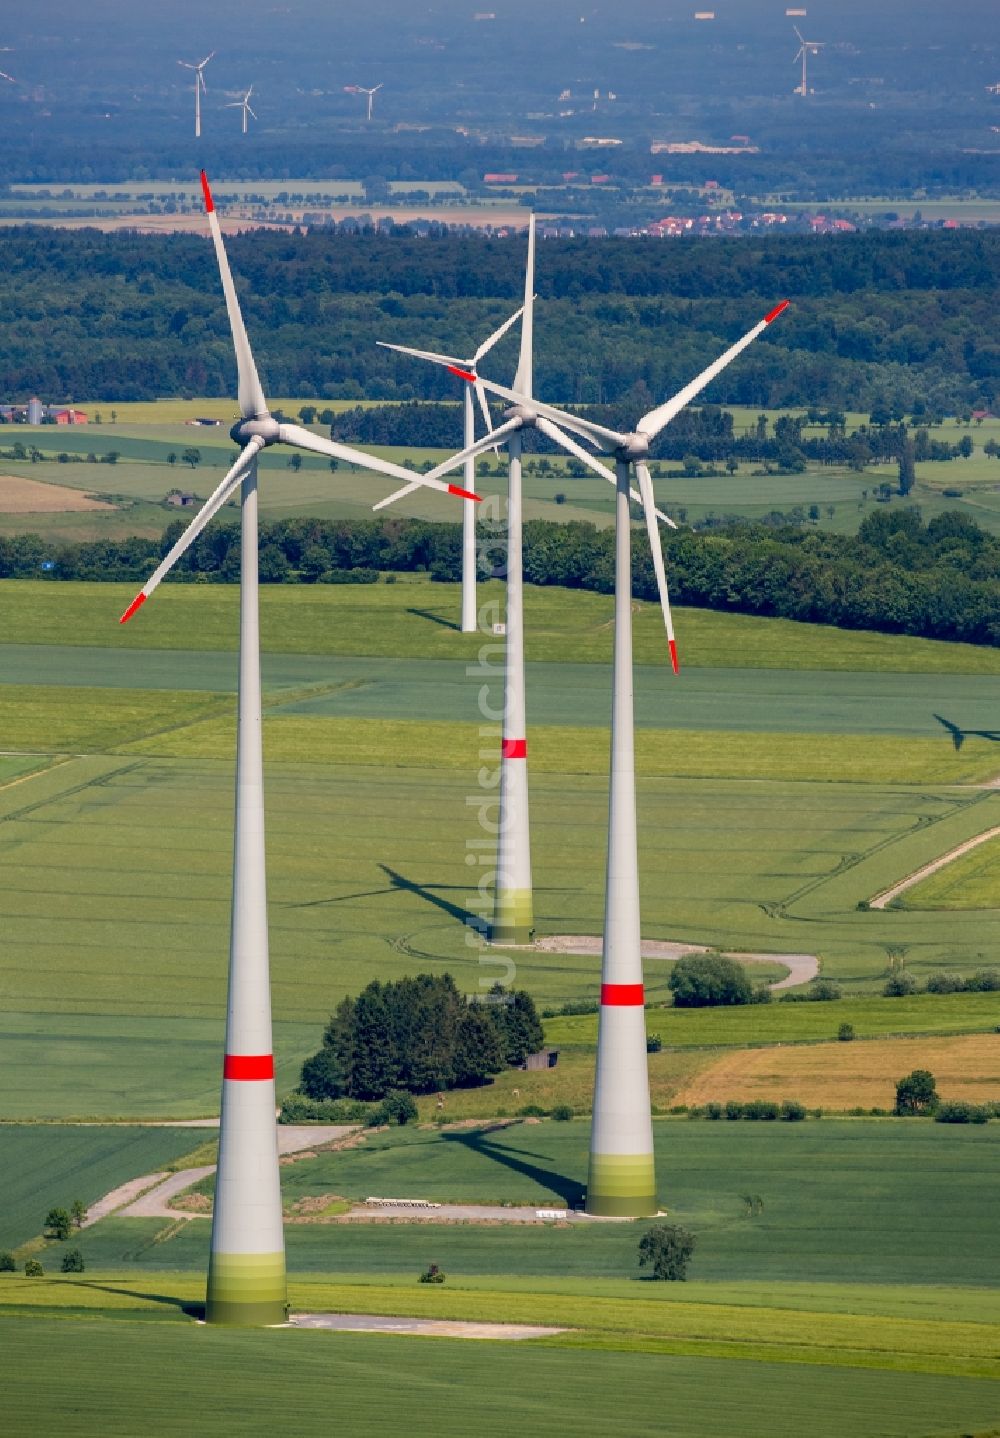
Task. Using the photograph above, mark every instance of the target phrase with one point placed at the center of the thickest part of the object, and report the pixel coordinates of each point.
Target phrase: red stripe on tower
(514, 749)
(248, 1067)
(209, 202)
(622, 995)
(776, 312)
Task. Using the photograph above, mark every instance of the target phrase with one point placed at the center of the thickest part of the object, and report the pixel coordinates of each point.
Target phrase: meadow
(50, 1165)
(774, 800)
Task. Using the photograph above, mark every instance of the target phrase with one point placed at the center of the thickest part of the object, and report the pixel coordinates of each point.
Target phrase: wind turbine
(243, 105)
(461, 367)
(806, 48)
(5, 76)
(621, 1180)
(360, 90)
(513, 916)
(246, 1276)
(199, 86)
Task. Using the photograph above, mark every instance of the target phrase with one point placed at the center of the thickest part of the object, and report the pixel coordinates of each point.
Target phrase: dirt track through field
(423, 1327)
(801, 967)
(882, 900)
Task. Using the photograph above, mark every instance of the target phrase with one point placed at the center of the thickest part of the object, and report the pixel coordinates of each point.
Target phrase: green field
(863, 1293)
(49, 1166)
(971, 882)
(773, 801)
(781, 1023)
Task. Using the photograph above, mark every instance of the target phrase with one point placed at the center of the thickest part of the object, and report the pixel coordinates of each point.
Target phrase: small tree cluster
(710, 980)
(419, 1035)
(916, 1094)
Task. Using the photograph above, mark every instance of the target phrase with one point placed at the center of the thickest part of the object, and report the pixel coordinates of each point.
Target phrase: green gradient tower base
(247, 1290)
(621, 1186)
(513, 917)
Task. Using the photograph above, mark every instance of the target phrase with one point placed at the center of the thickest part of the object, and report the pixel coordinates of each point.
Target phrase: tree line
(897, 575)
(906, 318)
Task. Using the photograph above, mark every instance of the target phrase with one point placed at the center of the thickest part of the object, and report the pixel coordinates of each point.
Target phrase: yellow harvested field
(848, 1075)
(29, 496)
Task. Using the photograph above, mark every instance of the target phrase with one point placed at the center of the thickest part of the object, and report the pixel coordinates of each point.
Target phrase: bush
(531, 1110)
(562, 1113)
(945, 984)
(916, 1093)
(33, 1269)
(818, 991)
(734, 1110)
(846, 1033)
(667, 1249)
(72, 1261)
(653, 1043)
(297, 1108)
(713, 1110)
(761, 1108)
(959, 1112)
(898, 986)
(397, 1107)
(761, 995)
(792, 1111)
(349, 576)
(986, 981)
(322, 1075)
(7, 1264)
(431, 1274)
(708, 981)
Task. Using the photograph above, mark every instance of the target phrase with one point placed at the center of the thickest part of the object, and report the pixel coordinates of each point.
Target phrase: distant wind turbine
(199, 86)
(243, 105)
(361, 90)
(5, 76)
(806, 48)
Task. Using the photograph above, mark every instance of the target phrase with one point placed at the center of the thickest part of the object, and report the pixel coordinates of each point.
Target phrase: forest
(898, 574)
(906, 318)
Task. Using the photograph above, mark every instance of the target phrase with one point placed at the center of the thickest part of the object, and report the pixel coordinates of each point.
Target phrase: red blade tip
(674, 662)
(465, 374)
(776, 312)
(137, 602)
(209, 202)
(464, 493)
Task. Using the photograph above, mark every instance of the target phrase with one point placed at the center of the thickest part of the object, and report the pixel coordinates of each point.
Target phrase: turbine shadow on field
(436, 619)
(959, 735)
(190, 1310)
(431, 895)
(569, 1189)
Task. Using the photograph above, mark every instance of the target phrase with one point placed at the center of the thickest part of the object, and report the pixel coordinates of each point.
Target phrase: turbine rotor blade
(491, 441)
(210, 508)
(448, 361)
(524, 378)
(300, 438)
(651, 423)
(253, 405)
(652, 529)
(496, 336)
(485, 408)
(571, 447)
(596, 433)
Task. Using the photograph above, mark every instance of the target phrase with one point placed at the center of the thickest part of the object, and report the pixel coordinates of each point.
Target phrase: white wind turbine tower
(361, 90)
(513, 907)
(246, 1276)
(806, 48)
(622, 1179)
(462, 368)
(199, 86)
(243, 105)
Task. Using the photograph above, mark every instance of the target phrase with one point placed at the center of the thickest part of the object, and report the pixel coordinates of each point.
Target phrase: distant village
(34, 412)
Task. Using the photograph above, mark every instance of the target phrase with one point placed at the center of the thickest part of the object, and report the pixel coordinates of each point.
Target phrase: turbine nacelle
(526, 418)
(636, 447)
(264, 427)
